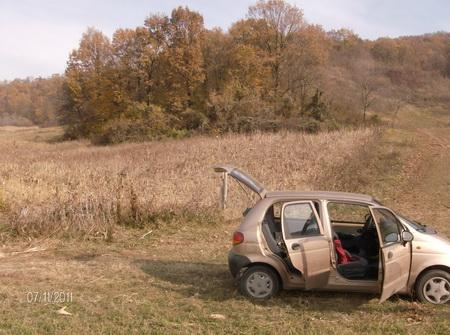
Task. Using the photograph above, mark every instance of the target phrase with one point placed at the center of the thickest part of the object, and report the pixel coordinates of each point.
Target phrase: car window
(299, 220)
(348, 213)
(388, 224)
(278, 205)
(420, 227)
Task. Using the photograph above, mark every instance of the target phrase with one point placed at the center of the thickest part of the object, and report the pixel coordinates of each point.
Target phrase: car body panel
(337, 282)
(428, 250)
(342, 196)
(395, 258)
(309, 254)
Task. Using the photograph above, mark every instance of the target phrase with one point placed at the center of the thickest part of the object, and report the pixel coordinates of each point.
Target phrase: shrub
(317, 108)
(193, 119)
(143, 122)
(375, 120)
(311, 126)
(120, 131)
(3, 206)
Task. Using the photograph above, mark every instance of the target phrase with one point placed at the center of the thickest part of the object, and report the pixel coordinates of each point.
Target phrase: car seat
(268, 230)
(351, 266)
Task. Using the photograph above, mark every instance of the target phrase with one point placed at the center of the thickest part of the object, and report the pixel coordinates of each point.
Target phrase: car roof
(325, 195)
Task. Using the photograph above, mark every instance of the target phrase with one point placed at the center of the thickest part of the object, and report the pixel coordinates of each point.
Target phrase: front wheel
(259, 282)
(434, 287)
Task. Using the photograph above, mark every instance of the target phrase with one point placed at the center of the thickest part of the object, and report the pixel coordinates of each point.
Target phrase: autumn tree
(181, 74)
(216, 52)
(277, 22)
(269, 71)
(446, 70)
(89, 87)
(302, 63)
(31, 101)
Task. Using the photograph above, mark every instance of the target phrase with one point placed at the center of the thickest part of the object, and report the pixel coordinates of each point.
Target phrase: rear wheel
(434, 287)
(259, 282)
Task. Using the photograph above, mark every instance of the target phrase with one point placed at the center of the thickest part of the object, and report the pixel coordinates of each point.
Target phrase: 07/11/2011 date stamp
(49, 297)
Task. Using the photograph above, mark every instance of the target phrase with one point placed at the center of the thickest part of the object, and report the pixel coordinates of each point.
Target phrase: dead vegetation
(174, 279)
(74, 189)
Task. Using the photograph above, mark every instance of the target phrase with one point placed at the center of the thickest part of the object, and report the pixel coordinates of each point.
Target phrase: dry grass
(73, 187)
(175, 280)
(154, 288)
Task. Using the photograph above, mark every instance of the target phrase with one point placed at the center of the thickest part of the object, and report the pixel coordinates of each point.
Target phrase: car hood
(433, 244)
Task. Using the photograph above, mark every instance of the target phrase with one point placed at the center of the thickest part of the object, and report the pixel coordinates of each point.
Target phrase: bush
(143, 122)
(317, 108)
(118, 131)
(310, 126)
(193, 119)
(374, 120)
(3, 206)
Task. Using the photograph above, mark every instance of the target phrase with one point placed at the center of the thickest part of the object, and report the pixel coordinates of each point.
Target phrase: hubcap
(259, 285)
(437, 290)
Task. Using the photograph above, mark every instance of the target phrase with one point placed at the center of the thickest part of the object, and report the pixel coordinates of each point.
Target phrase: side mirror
(407, 236)
(392, 237)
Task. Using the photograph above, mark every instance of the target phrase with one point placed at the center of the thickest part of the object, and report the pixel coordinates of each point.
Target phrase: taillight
(238, 238)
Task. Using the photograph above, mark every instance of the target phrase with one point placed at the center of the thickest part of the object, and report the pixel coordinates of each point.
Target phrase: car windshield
(420, 227)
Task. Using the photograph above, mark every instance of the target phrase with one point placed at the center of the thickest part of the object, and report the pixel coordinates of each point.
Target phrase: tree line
(26, 102)
(271, 70)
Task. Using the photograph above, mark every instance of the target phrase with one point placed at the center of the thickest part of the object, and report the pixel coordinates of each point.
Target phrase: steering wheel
(367, 224)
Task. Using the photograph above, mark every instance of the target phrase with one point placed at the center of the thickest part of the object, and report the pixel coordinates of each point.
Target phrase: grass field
(73, 188)
(165, 269)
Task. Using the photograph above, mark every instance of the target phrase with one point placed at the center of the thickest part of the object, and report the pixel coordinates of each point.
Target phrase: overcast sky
(37, 35)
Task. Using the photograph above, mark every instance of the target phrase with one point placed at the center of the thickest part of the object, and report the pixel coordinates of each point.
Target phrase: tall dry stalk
(75, 188)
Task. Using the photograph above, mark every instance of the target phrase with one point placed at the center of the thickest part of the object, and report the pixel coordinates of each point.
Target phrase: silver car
(334, 241)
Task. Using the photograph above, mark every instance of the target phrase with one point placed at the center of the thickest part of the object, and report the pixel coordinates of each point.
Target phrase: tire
(433, 287)
(259, 282)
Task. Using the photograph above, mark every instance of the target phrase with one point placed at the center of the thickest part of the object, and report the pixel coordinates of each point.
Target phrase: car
(334, 241)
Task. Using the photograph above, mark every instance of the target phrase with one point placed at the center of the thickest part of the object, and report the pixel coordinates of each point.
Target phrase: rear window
(299, 220)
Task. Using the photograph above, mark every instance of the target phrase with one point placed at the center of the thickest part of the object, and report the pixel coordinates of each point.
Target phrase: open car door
(308, 248)
(242, 178)
(395, 253)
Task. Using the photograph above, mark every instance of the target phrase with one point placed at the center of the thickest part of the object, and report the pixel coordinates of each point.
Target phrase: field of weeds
(169, 274)
(73, 188)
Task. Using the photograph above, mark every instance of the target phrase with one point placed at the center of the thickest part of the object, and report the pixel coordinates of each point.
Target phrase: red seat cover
(343, 257)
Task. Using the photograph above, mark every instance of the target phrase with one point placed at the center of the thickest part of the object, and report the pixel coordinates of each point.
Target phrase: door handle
(390, 254)
(295, 246)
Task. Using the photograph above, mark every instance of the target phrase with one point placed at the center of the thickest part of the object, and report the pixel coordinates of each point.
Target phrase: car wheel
(434, 287)
(259, 282)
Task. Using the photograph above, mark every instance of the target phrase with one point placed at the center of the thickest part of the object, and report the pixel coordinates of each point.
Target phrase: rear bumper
(236, 262)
